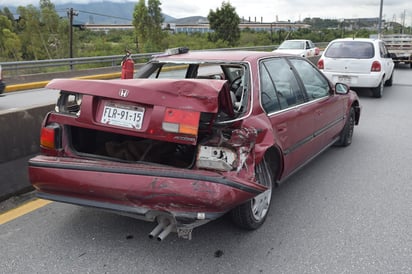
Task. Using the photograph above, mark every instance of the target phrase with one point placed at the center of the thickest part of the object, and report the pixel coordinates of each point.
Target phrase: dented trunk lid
(161, 109)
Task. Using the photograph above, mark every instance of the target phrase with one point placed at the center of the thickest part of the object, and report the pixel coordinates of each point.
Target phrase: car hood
(190, 94)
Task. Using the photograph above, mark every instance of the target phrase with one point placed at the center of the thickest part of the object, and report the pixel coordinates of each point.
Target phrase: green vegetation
(40, 33)
(225, 23)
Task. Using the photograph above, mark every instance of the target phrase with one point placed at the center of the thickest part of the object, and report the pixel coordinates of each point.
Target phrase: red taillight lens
(181, 121)
(50, 137)
(376, 66)
(321, 64)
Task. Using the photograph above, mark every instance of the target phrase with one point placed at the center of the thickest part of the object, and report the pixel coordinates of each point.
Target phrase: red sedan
(193, 136)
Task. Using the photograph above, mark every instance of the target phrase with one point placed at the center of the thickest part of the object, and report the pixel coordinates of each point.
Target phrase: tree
(49, 24)
(155, 26)
(39, 31)
(225, 24)
(30, 34)
(10, 44)
(147, 21)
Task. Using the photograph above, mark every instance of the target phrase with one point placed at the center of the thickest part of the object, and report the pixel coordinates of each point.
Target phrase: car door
(329, 110)
(310, 49)
(283, 100)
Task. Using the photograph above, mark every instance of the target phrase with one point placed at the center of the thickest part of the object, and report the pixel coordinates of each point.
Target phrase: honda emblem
(123, 93)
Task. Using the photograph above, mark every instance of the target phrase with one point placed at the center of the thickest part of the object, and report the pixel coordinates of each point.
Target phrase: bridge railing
(69, 64)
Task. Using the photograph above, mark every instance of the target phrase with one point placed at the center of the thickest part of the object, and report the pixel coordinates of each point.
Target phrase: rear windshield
(350, 49)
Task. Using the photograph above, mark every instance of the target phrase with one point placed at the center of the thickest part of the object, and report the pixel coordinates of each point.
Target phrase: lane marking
(22, 210)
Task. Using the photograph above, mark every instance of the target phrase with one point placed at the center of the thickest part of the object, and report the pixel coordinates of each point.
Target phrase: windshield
(292, 45)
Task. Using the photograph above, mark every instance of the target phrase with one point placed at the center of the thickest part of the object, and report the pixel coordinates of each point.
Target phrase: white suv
(359, 62)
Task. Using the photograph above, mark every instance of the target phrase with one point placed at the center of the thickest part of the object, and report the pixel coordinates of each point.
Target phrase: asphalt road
(349, 211)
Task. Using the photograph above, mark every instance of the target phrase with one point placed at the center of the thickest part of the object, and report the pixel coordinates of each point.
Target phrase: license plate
(344, 79)
(123, 116)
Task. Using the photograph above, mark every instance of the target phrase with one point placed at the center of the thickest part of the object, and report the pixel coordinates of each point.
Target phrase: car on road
(2, 84)
(303, 48)
(359, 62)
(193, 136)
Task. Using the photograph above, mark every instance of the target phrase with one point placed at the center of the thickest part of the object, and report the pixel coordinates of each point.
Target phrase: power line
(103, 15)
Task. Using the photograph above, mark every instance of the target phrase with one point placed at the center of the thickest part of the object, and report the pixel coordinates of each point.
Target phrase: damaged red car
(193, 136)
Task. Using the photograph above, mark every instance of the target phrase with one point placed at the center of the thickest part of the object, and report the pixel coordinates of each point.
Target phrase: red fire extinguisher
(127, 66)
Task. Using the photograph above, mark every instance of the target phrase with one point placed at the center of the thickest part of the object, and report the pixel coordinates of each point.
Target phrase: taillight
(50, 137)
(181, 121)
(376, 66)
(321, 64)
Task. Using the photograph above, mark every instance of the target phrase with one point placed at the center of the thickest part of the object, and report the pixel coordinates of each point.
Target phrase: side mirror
(341, 88)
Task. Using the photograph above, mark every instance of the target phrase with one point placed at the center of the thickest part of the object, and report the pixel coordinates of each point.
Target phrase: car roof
(300, 40)
(225, 56)
(357, 39)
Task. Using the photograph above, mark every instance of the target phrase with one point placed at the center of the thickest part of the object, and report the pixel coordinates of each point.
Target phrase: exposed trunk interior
(129, 148)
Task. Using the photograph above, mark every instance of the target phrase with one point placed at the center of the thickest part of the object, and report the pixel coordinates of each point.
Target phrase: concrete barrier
(20, 138)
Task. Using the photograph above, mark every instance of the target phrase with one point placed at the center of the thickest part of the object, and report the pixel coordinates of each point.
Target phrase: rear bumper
(144, 192)
(355, 80)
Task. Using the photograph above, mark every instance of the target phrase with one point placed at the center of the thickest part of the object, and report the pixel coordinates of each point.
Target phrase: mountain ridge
(108, 12)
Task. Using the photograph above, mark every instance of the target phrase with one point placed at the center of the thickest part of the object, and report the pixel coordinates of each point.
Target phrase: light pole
(380, 21)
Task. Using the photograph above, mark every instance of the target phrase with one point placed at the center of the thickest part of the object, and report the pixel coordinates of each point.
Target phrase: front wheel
(252, 214)
(347, 131)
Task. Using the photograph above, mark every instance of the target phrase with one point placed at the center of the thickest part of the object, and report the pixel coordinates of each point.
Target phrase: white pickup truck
(400, 47)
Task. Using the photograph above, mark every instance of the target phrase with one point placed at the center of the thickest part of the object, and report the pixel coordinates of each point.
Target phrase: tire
(389, 82)
(378, 91)
(347, 131)
(252, 214)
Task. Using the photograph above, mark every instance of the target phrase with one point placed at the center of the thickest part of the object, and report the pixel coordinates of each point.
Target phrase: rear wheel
(252, 214)
(389, 82)
(378, 91)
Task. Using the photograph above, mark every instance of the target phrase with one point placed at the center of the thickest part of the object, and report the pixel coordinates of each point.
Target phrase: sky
(274, 10)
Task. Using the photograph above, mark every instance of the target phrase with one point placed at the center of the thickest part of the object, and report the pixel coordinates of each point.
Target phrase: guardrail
(69, 64)
(18, 68)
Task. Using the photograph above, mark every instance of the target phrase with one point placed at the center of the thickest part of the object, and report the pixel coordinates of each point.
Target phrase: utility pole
(70, 14)
(380, 21)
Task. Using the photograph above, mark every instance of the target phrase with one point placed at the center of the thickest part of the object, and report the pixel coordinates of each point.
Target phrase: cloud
(271, 9)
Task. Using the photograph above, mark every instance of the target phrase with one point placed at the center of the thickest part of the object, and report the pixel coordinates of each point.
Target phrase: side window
(315, 84)
(170, 71)
(383, 50)
(279, 87)
(268, 96)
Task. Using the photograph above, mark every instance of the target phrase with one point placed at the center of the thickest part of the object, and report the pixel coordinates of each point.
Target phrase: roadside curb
(42, 84)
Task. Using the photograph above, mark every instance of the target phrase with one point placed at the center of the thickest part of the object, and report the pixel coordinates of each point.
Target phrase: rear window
(350, 49)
